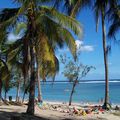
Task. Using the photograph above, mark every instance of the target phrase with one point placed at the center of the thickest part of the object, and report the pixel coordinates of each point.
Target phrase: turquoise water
(89, 91)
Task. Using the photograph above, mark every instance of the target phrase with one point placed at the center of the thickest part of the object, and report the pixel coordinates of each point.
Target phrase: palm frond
(114, 28)
(78, 5)
(57, 35)
(114, 17)
(20, 27)
(69, 40)
(97, 11)
(13, 46)
(8, 13)
(63, 20)
(46, 57)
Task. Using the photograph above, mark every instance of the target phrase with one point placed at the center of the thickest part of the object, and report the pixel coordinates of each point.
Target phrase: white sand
(7, 111)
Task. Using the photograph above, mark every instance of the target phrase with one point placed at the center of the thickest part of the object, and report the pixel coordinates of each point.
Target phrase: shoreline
(81, 103)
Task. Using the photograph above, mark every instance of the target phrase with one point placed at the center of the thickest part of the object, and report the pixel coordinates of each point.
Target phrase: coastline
(81, 103)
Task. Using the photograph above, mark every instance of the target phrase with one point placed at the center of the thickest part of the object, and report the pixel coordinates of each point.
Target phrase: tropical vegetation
(42, 29)
(102, 9)
(74, 71)
(46, 30)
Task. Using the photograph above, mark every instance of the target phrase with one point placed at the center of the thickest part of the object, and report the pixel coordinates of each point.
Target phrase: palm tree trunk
(32, 35)
(30, 109)
(106, 102)
(23, 96)
(39, 85)
(25, 91)
(73, 88)
(26, 86)
(5, 95)
(0, 88)
(18, 92)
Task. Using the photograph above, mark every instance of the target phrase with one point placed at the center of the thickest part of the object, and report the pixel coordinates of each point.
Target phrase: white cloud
(82, 47)
(87, 48)
(78, 43)
(12, 37)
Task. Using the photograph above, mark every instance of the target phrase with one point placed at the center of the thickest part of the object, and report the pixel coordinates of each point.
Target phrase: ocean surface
(85, 91)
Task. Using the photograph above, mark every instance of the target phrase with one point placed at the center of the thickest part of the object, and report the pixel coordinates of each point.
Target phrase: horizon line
(79, 80)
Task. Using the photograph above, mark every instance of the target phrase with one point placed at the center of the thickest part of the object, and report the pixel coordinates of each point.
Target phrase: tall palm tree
(49, 29)
(101, 8)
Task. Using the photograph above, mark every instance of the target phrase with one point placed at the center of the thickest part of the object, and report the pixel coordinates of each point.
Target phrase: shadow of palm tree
(21, 116)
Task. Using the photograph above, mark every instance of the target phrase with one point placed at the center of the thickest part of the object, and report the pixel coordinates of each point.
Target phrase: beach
(56, 111)
(55, 103)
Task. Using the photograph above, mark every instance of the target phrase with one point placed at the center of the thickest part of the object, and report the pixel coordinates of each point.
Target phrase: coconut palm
(101, 8)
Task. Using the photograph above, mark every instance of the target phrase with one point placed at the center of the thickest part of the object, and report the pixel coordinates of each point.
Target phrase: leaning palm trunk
(39, 85)
(26, 86)
(106, 102)
(30, 109)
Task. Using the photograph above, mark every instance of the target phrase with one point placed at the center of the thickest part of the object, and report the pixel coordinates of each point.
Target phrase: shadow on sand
(21, 116)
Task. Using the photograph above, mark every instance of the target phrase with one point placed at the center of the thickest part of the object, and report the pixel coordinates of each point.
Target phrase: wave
(82, 81)
(112, 81)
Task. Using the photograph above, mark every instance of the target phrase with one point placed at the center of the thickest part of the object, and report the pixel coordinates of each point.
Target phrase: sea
(85, 91)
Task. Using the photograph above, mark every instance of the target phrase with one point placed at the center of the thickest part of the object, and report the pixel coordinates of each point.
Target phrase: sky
(91, 51)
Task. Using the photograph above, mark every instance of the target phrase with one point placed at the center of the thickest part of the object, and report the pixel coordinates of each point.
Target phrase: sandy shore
(53, 111)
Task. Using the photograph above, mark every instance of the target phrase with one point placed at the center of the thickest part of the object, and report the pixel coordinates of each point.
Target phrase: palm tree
(49, 29)
(4, 78)
(4, 70)
(101, 8)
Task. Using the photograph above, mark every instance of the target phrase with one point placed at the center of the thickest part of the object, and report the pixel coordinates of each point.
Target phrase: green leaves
(63, 20)
(47, 28)
(8, 13)
(114, 17)
(75, 70)
(20, 27)
(47, 60)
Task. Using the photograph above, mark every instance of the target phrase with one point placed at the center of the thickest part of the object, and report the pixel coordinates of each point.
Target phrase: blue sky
(92, 51)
